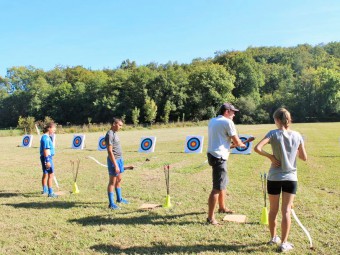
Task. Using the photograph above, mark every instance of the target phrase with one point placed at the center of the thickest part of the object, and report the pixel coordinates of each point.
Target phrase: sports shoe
(274, 240)
(52, 195)
(44, 193)
(114, 207)
(123, 201)
(285, 247)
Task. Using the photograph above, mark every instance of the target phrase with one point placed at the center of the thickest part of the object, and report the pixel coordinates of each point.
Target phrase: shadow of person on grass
(153, 219)
(44, 205)
(8, 194)
(164, 249)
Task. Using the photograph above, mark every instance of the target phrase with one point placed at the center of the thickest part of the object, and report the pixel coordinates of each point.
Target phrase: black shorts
(275, 187)
(219, 172)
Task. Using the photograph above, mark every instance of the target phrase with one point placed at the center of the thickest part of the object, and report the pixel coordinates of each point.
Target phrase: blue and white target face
(247, 144)
(101, 143)
(27, 141)
(247, 149)
(194, 144)
(147, 144)
(78, 142)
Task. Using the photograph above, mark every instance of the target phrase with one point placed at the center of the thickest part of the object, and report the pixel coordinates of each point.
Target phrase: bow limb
(95, 160)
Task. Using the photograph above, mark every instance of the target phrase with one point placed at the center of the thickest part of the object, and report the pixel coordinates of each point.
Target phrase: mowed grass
(82, 224)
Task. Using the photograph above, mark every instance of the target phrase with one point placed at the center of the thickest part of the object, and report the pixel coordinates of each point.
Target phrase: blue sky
(101, 34)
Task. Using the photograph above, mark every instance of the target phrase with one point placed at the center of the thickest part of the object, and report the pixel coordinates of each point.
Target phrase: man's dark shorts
(219, 172)
(275, 187)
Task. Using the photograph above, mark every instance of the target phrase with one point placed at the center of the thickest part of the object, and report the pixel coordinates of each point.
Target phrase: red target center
(193, 144)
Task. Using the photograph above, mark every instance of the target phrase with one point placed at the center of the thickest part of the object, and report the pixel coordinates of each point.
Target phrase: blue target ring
(146, 144)
(77, 141)
(102, 143)
(26, 141)
(247, 144)
(193, 144)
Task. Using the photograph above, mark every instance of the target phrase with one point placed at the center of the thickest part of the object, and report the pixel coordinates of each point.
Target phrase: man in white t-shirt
(221, 136)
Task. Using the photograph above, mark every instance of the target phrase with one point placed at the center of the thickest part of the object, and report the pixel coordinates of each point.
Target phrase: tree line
(304, 78)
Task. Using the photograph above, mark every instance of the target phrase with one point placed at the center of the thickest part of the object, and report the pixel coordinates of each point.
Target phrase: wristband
(48, 159)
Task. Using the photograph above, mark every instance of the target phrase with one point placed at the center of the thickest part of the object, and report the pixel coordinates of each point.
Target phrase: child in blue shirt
(46, 159)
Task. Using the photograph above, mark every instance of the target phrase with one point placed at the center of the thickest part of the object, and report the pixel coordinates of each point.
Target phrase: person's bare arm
(236, 142)
(112, 158)
(302, 154)
(259, 149)
(47, 153)
(250, 139)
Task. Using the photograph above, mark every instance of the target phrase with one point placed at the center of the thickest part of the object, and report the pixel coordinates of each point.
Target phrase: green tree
(167, 110)
(209, 85)
(27, 124)
(135, 116)
(150, 109)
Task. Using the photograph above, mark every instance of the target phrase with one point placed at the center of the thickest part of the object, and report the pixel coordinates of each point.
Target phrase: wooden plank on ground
(235, 218)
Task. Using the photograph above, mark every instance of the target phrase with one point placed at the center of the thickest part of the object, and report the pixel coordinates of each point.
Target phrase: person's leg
(118, 187)
(118, 184)
(287, 201)
(220, 181)
(44, 183)
(44, 176)
(272, 216)
(110, 187)
(221, 199)
(212, 201)
(49, 184)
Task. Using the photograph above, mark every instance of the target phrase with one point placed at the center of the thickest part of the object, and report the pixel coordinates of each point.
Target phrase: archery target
(53, 137)
(78, 142)
(247, 149)
(27, 141)
(147, 144)
(101, 143)
(194, 144)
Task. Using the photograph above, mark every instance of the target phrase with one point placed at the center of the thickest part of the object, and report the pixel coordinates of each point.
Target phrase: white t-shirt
(220, 130)
(285, 145)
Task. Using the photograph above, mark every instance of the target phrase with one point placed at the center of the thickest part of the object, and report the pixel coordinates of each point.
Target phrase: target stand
(247, 149)
(194, 144)
(53, 138)
(78, 142)
(101, 143)
(27, 141)
(147, 144)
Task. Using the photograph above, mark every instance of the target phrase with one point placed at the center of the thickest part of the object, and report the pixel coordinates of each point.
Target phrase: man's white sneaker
(274, 240)
(286, 247)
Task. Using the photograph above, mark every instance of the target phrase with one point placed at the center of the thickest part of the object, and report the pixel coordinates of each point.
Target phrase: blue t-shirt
(46, 143)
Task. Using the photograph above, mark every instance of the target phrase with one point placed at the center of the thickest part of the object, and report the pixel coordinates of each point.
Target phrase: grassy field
(81, 224)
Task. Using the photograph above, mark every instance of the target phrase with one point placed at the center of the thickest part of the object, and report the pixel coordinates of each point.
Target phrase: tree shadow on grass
(44, 205)
(153, 219)
(164, 249)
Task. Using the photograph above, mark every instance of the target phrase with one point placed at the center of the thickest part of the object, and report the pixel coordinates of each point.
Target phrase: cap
(227, 106)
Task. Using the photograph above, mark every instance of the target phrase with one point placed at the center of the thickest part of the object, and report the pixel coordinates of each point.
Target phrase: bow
(96, 161)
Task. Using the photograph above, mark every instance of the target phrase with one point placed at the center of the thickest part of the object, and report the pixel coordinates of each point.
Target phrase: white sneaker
(286, 247)
(274, 240)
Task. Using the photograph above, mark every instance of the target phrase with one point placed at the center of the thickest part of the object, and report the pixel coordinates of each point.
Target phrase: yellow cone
(264, 216)
(75, 188)
(167, 202)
